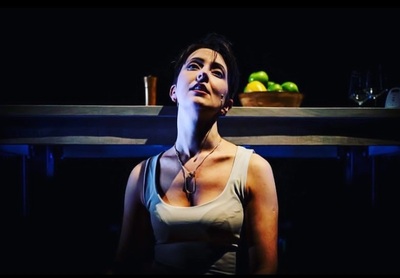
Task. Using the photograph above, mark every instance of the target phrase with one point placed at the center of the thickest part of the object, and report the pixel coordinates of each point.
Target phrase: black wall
(100, 55)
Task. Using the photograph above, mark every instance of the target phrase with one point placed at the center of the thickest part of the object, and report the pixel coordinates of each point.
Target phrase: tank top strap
(239, 170)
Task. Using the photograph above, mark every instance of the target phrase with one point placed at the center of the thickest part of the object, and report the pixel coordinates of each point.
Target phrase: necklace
(190, 176)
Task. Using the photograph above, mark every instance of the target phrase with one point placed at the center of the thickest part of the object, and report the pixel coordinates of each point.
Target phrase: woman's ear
(226, 107)
(172, 94)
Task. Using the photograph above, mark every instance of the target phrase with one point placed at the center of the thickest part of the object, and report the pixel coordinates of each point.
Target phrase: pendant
(190, 184)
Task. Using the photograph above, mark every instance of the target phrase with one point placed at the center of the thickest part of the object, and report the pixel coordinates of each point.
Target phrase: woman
(205, 205)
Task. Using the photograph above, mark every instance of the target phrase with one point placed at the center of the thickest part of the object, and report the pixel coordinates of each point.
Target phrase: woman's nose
(202, 77)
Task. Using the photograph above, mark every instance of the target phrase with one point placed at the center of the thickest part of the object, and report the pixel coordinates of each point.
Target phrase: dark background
(72, 220)
(100, 55)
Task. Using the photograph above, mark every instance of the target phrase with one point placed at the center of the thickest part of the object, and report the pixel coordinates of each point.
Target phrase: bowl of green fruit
(261, 92)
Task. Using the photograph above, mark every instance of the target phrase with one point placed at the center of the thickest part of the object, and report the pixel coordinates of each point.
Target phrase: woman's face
(203, 80)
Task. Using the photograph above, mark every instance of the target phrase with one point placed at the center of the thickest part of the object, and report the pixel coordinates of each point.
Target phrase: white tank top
(200, 239)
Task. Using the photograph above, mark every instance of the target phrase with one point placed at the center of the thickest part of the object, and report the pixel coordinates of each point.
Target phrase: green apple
(261, 76)
(289, 86)
(274, 87)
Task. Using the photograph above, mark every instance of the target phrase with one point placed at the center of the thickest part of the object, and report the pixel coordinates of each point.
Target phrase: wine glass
(357, 91)
(360, 97)
(374, 84)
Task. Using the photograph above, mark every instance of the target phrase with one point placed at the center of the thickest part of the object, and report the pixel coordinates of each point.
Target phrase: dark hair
(223, 46)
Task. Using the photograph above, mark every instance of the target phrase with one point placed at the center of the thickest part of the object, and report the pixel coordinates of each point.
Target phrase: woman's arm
(262, 217)
(134, 252)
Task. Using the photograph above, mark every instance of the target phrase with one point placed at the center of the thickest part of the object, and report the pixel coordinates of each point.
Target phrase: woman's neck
(191, 140)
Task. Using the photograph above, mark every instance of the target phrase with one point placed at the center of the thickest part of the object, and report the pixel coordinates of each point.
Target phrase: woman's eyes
(195, 66)
(218, 73)
(192, 66)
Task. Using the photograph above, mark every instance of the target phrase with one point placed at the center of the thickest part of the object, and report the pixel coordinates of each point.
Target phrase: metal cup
(150, 90)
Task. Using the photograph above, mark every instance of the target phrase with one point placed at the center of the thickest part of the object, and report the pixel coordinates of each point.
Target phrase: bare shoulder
(135, 180)
(136, 173)
(259, 163)
(260, 173)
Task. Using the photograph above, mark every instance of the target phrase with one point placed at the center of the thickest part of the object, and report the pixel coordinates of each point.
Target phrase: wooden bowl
(271, 99)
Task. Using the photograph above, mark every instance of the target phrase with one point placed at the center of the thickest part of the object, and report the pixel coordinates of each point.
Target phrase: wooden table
(50, 132)
(155, 125)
